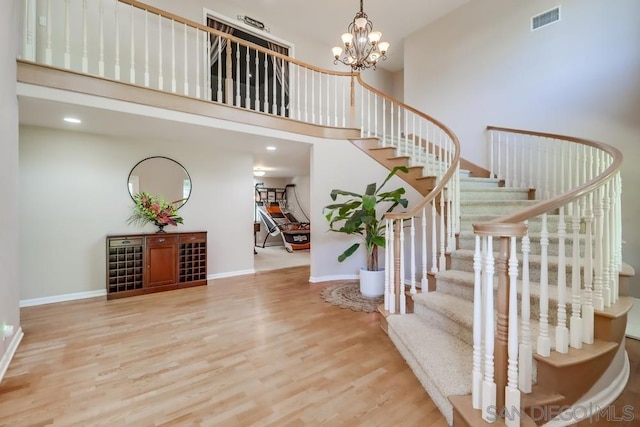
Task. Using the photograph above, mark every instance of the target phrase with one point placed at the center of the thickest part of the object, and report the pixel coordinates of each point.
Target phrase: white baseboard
(319, 279)
(62, 298)
(11, 351)
(230, 274)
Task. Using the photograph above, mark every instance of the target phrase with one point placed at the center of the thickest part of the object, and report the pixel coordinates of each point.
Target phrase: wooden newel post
(501, 354)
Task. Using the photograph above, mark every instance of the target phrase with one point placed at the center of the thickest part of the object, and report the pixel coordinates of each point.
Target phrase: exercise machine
(272, 209)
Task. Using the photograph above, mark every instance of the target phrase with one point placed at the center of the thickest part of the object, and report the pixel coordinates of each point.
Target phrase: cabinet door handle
(160, 240)
(193, 237)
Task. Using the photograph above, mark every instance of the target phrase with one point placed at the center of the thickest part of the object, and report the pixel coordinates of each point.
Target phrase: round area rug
(347, 295)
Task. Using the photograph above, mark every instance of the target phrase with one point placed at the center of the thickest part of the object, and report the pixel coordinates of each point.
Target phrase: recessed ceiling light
(271, 148)
(258, 172)
(72, 120)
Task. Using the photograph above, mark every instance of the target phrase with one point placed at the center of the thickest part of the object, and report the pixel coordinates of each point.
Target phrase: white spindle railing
(574, 178)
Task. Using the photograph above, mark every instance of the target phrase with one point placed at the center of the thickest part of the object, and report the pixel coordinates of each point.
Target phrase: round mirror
(162, 177)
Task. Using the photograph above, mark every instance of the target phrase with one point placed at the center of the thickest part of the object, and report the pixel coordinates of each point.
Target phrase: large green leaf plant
(359, 215)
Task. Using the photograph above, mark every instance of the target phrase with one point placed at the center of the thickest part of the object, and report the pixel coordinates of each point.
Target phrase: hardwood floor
(253, 350)
(261, 350)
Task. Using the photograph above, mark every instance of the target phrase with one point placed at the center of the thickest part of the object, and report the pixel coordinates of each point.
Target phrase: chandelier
(362, 46)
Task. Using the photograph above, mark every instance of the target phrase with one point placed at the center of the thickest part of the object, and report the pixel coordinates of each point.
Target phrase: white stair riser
(488, 207)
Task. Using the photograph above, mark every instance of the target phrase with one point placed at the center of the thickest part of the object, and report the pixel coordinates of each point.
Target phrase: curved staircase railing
(576, 181)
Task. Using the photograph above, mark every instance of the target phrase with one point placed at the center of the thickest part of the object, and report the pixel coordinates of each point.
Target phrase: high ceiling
(321, 22)
(324, 21)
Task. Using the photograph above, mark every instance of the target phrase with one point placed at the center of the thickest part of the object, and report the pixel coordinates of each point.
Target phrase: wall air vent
(546, 18)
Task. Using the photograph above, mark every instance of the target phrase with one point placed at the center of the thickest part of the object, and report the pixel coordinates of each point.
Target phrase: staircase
(436, 339)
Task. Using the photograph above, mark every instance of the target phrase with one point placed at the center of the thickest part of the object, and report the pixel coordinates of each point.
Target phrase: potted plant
(361, 214)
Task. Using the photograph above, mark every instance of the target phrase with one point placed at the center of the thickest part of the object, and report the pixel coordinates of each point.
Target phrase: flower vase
(161, 228)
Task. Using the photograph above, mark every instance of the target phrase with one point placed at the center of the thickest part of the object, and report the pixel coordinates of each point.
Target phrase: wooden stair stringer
(387, 157)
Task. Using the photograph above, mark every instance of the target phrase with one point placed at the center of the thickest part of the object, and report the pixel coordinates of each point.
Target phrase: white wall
(9, 240)
(481, 65)
(73, 192)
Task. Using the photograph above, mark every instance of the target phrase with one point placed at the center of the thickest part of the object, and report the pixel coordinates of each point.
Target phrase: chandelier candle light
(362, 46)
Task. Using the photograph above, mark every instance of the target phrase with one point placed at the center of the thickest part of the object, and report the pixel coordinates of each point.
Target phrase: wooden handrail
(196, 25)
(494, 226)
(445, 178)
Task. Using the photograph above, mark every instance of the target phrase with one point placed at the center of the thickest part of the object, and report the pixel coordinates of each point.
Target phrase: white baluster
(523, 161)
(544, 342)
(488, 384)
(387, 262)
(512, 394)
(375, 117)
(132, 67)
(615, 231)
(391, 267)
(391, 123)
(160, 55)
(492, 171)
(434, 240)
(116, 70)
(606, 245)
(186, 62)
(85, 57)
(266, 85)
(598, 300)
(146, 48)
(101, 58)
(413, 257)
(319, 99)
(401, 294)
(575, 323)
(48, 52)
(335, 100)
(29, 24)
(313, 98)
(384, 122)
(328, 110)
(219, 63)
(306, 97)
(67, 36)
(499, 155)
(257, 71)
(587, 296)
(238, 95)
(283, 111)
(562, 332)
(507, 146)
(443, 235)
(197, 55)
(526, 351)
(344, 106)
(174, 83)
(476, 388)
(424, 283)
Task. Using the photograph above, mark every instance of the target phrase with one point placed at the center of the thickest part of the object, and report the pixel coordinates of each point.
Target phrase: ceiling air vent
(546, 18)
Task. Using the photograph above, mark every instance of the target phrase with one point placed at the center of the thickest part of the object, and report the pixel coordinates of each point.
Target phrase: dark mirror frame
(171, 160)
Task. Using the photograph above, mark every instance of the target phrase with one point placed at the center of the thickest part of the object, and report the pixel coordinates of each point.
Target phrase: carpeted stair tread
(441, 362)
(552, 261)
(459, 311)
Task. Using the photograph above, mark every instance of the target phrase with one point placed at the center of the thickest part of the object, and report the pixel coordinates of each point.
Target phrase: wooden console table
(144, 263)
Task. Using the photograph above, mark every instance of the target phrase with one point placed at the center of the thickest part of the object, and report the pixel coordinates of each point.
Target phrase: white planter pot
(371, 283)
